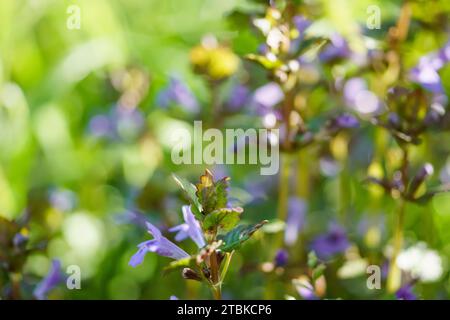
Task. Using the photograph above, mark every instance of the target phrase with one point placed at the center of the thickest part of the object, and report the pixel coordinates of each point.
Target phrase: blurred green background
(78, 188)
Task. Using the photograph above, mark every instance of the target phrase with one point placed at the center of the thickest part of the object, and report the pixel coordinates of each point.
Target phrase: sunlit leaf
(224, 219)
(212, 195)
(190, 191)
(233, 239)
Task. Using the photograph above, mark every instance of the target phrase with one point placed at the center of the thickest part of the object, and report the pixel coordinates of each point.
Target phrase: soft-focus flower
(304, 288)
(281, 258)
(160, 245)
(173, 298)
(63, 200)
(101, 126)
(21, 238)
(329, 166)
(191, 228)
(347, 121)
(53, 278)
(215, 61)
(358, 97)
(333, 242)
(121, 122)
(239, 96)
(128, 122)
(405, 293)
(427, 76)
(177, 93)
(422, 263)
(301, 23)
(337, 49)
(426, 72)
(267, 97)
(295, 220)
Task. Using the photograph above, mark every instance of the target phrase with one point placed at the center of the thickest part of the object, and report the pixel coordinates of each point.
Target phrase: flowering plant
(214, 227)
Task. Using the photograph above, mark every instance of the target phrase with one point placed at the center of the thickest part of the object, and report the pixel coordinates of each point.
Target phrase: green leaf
(212, 195)
(225, 219)
(274, 226)
(233, 239)
(264, 61)
(318, 272)
(312, 259)
(190, 191)
(177, 264)
(311, 45)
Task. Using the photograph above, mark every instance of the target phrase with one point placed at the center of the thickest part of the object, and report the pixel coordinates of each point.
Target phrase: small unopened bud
(424, 172)
(190, 274)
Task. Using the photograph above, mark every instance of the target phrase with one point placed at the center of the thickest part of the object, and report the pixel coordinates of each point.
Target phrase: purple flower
(426, 72)
(301, 23)
(304, 288)
(295, 220)
(405, 293)
(258, 187)
(352, 87)
(333, 242)
(181, 232)
(179, 94)
(53, 278)
(121, 122)
(358, 97)
(427, 76)
(160, 245)
(347, 121)
(444, 53)
(239, 96)
(263, 49)
(337, 49)
(267, 97)
(20, 239)
(191, 228)
(63, 200)
(281, 258)
(101, 126)
(128, 122)
(173, 298)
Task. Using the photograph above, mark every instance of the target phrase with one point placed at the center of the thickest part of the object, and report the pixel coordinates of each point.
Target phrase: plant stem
(394, 276)
(283, 187)
(225, 267)
(216, 285)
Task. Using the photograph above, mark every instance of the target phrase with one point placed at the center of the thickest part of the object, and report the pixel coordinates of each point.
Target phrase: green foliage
(191, 193)
(236, 237)
(223, 219)
(211, 194)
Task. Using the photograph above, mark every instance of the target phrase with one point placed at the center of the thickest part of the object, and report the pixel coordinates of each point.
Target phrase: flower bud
(424, 172)
(190, 274)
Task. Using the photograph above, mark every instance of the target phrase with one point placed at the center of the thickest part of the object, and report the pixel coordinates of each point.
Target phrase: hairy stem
(215, 280)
